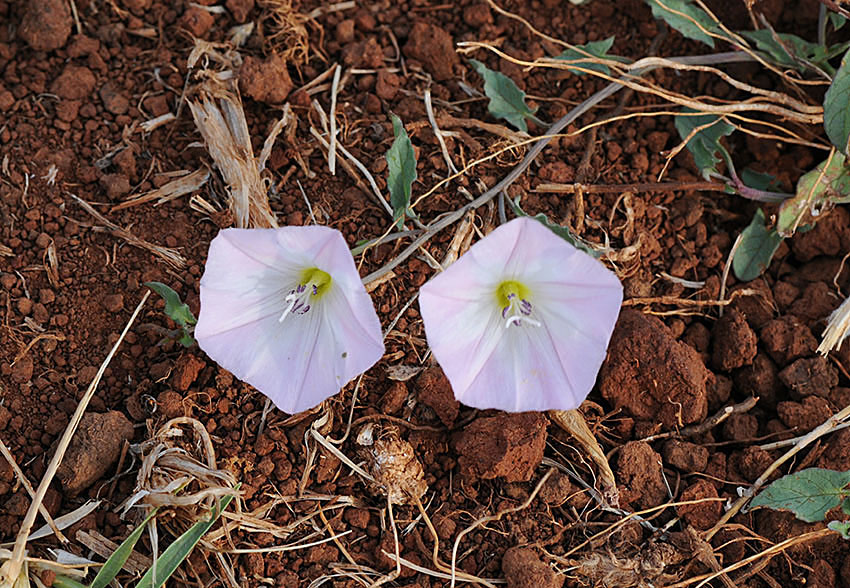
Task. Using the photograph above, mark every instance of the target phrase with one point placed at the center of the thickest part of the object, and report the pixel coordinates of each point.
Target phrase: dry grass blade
(136, 563)
(12, 567)
(168, 255)
(174, 189)
(225, 132)
(573, 422)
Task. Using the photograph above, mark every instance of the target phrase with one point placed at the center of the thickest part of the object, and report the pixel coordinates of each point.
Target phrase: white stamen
(518, 311)
(291, 299)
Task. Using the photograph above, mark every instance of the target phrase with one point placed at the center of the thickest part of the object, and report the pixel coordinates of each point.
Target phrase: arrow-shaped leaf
(401, 161)
(507, 101)
(809, 493)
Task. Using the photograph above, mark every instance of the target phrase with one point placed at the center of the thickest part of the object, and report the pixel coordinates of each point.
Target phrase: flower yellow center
(510, 289)
(513, 300)
(317, 281)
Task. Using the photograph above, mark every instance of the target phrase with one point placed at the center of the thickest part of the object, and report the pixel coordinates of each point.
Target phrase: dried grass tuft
(285, 31)
(179, 457)
(643, 570)
(392, 462)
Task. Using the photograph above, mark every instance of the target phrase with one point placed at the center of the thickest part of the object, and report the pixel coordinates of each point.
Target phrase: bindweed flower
(521, 321)
(285, 310)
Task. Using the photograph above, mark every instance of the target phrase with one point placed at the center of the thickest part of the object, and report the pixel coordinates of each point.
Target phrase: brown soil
(71, 101)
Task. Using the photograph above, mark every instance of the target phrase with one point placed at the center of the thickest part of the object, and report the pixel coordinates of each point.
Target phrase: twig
(332, 147)
(793, 440)
(618, 188)
(708, 424)
(437, 133)
(12, 567)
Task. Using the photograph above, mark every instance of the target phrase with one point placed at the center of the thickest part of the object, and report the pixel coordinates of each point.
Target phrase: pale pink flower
(285, 310)
(521, 321)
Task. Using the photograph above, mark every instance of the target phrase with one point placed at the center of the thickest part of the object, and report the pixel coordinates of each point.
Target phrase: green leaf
(506, 100)
(562, 232)
(758, 180)
(119, 557)
(840, 527)
(705, 144)
(787, 50)
(756, 249)
(837, 20)
(65, 582)
(817, 192)
(685, 17)
(175, 553)
(596, 49)
(174, 307)
(401, 161)
(809, 493)
(845, 506)
(836, 106)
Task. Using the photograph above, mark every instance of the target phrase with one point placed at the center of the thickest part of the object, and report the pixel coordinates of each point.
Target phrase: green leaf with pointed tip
(837, 20)
(836, 110)
(506, 100)
(817, 192)
(840, 527)
(756, 249)
(174, 307)
(595, 49)
(119, 557)
(562, 232)
(175, 553)
(705, 144)
(401, 161)
(809, 493)
(687, 18)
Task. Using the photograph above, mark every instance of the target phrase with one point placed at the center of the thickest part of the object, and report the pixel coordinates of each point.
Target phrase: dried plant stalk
(572, 421)
(167, 254)
(225, 132)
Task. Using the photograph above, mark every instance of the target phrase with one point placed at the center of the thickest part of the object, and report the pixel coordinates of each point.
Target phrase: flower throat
(513, 299)
(314, 283)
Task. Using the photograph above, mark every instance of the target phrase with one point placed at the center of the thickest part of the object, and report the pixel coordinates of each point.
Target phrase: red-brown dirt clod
(685, 456)
(804, 377)
(46, 24)
(434, 390)
(651, 375)
(506, 445)
(787, 339)
(434, 48)
(702, 515)
(805, 415)
(524, 569)
(265, 80)
(735, 343)
(640, 476)
(186, 372)
(94, 449)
